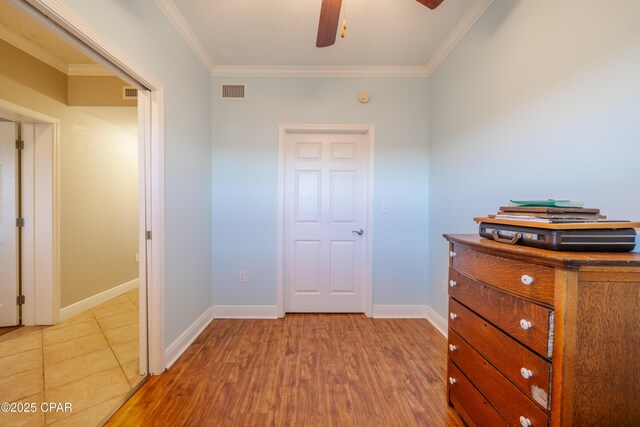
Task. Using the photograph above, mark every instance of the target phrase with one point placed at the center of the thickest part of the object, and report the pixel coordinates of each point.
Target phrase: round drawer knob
(452, 283)
(453, 347)
(526, 279)
(525, 324)
(452, 254)
(453, 316)
(452, 380)
(526, 373)
(525, 422)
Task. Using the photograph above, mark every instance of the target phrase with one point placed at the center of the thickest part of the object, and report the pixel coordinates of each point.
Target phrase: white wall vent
(230, 92)
(129, 92)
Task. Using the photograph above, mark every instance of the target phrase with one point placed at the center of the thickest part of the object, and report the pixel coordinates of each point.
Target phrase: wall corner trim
(182, 343)
(95, 300)
(437, 321)
(245, 311)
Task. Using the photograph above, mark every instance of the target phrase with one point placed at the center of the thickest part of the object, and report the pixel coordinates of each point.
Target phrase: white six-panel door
(325, 194)
(8, 229)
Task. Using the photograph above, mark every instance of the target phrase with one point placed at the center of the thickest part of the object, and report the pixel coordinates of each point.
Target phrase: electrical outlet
(243, 277)
(137, 257)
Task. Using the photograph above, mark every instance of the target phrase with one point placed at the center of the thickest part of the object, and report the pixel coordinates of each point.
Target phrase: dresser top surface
(544, 256)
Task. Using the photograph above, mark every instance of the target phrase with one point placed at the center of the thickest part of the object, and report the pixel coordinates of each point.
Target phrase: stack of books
(561, 225)
(550, 211)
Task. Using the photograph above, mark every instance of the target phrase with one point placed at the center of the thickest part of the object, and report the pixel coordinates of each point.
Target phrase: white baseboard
(412, 311)
(175, 350)
(95, 300)
(437, 321)
(245, 311)
(400, 311)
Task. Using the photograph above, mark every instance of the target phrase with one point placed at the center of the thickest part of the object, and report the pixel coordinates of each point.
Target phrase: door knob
(359, 232)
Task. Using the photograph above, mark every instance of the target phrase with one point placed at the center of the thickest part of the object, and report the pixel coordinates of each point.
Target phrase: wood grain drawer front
(505, 397)
(530, 280)
(470, 404)
(509, 358)
(505, 311)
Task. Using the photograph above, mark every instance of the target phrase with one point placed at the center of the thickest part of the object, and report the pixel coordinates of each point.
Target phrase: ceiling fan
(330, 17)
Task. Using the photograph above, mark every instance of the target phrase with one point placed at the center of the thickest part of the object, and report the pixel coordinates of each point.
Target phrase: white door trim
(152, 163)
(40, 242)
(368, 131)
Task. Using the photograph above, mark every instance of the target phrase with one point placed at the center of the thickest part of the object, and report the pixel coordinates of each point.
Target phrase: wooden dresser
(540, 338)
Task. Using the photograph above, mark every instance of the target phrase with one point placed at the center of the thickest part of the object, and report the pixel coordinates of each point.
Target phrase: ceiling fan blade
(431, 4)
(328, 25)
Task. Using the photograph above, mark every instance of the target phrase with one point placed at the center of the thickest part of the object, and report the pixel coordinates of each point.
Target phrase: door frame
(40, 188)
(368, 131)
(56, 16)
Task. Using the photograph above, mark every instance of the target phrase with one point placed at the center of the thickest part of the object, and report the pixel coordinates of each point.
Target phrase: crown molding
(88, 70)
(318, 71)
(477, 9)
(176, 19)
(32, 49)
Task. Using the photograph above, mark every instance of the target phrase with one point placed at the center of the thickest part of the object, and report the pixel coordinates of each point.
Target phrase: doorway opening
(45, 305)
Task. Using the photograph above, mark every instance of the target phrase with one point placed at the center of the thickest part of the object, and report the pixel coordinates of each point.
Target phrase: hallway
(89, 360)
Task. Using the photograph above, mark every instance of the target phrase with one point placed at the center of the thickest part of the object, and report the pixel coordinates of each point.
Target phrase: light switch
(385, 208)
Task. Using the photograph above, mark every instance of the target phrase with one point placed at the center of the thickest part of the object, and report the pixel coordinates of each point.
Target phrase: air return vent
(233, 92)
(129, 92)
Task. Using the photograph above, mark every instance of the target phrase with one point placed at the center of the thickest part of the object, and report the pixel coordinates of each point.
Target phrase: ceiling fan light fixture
(328, 23)
(431, 4)
(330, 18)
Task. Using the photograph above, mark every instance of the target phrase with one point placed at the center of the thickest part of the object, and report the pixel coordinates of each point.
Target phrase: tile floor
(90, 360)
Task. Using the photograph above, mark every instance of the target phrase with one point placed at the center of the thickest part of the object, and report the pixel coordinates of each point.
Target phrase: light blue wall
(245, 179)
(540, 99)
(140, 30)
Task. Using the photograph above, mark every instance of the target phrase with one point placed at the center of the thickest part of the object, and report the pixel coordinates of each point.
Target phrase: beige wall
(24, 70)
(98, 178)
(97, 91)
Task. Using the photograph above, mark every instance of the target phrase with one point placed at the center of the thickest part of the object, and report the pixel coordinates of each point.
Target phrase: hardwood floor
(303, 370)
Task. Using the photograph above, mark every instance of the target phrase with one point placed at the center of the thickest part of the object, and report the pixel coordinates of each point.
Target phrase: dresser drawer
(468, 401)
(505, 397)
(530, 280)
(509, 358)
(506, 311)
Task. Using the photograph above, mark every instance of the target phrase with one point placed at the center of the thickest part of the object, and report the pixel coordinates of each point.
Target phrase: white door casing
(39, 134)
(9, 314)
(325, 207)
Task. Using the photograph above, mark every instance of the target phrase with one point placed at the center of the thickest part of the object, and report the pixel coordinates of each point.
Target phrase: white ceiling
(277, 37)
(24, 32)
(236, 36)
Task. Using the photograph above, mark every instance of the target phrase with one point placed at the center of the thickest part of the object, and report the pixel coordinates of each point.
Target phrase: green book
(560, 203)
